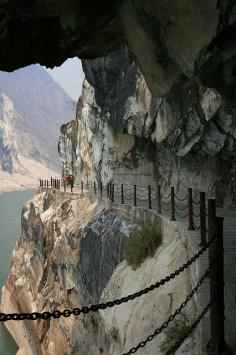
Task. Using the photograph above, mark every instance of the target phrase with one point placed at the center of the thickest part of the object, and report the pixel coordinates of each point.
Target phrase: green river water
(10, 214)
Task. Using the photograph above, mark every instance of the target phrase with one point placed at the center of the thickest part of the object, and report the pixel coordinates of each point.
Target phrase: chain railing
(173, 204)
(148, 197)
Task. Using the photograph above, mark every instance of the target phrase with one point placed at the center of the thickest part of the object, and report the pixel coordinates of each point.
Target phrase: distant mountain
(40, 106)
(32, 109)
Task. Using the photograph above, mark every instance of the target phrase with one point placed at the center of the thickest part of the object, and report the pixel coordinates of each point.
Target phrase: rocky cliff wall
(70, 253)
(125, 134)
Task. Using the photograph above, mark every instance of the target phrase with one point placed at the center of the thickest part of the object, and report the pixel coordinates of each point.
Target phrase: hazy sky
(70, 76)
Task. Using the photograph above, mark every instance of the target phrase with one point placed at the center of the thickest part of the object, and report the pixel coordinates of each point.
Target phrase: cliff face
(125, 134)
(70, 253)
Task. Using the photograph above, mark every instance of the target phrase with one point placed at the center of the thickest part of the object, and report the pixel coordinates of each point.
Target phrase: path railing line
(151, 196)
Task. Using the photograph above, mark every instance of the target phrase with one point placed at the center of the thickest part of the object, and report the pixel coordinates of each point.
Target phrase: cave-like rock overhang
(169, 39)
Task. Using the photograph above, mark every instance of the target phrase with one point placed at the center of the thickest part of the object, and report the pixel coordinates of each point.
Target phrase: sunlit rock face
(124, 133)
(169, 40)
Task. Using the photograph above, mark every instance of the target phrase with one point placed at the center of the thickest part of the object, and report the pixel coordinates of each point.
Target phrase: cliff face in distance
(32, 108)
(125, 134)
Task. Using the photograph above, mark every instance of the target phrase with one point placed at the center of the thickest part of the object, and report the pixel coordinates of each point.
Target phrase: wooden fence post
(149, 197)
(159, 199)
(190, 209)
(135, 195)
(122, 194)
(217, 344)
(203, 219)
(172, 196)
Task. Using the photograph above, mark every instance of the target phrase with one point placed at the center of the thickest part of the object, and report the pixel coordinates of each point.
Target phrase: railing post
(59, 184)
(203, 219)
(82, 187)
(135, 195)
(149, 197)
(159, 199)
(122, 194)
(71, 185)
(47, 184)
(51, 181)
(113, 193)
(94, 187)
(87, 185)
(108, 191)
(190, 209)
(101, 188)
(217, 344)
(172, 201)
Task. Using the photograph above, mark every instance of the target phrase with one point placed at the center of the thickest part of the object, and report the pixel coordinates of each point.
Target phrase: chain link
(93, 308)
(175, 347)
(172, 316)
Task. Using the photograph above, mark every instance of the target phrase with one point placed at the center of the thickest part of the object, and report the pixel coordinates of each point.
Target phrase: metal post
(190, 209)
(113, 193)
(71, 185)
(59, 184)
(217, 344)
(203, 219)
(101, 188)
(108, 191)
(87, 185)
(47, 184)
(149, 197)
(135, 195)
(122, 194)
(82, 187)
(172, 196)
(159, 199)
(94, 186)
(64, 185)
(51, 181)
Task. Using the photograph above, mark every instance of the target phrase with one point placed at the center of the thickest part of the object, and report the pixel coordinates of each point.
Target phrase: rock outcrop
(70, 253)
(125, 134)
(169, 40)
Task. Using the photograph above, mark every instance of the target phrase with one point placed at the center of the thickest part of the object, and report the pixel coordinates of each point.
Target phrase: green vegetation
(174, 332)
(142, 242)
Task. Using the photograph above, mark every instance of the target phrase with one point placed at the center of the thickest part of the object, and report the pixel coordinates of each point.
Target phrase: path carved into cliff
(132, 198)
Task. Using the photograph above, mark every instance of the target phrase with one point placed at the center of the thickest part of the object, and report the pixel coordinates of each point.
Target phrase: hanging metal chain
(172, 316)
(174, 348)
(93, 308)
(181, 199)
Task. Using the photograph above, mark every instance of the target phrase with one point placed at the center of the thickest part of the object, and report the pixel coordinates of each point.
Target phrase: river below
(11, 204)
